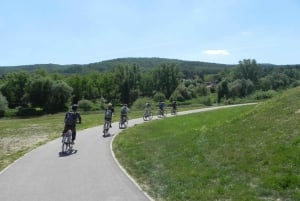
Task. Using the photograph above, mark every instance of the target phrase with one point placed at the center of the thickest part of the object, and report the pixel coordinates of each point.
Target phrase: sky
(89, 31)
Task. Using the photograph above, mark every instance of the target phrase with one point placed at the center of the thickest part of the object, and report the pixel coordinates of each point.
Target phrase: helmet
(74, 107)
(109, 105)
(125, 105)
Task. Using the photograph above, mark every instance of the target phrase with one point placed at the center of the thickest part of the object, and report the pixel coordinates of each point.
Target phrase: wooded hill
(52, 86)
(145, 64)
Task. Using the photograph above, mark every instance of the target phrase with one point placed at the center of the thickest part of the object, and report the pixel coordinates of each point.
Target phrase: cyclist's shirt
(124, 110)
(162, 105)
(108, 113)
(71, 118)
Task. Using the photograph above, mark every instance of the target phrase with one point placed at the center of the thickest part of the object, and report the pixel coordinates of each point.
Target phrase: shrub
(158, 96)
(3, 105)
(260, 95)
(85, 105)
(206, 100)
(176, 96)
(29, 112)
(139, 104)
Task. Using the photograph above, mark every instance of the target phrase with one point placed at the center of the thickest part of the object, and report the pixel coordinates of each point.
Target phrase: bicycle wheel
(64, 147)
(120, 124)
(125, 123)
(160, 113)
(150, 116)
(106, 128)
(145, 117)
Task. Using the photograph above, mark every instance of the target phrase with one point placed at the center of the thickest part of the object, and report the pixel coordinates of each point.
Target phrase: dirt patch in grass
(11, 148)
(14, 144)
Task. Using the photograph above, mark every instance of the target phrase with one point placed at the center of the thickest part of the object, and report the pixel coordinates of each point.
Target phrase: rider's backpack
(108, 113)
(124, 111)
(70, 118)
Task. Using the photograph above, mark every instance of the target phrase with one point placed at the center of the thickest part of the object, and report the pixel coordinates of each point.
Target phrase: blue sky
(82, 32)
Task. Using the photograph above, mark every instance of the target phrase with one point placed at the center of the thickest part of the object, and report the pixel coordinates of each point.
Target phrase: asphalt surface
(90, 173)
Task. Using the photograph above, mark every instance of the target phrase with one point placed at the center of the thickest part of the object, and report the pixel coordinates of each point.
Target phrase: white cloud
(216, 52)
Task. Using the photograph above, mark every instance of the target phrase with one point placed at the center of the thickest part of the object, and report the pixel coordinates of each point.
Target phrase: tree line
(125, 83)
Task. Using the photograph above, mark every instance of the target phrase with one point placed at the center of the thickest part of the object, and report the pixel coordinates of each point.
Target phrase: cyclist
(147, 109)
(162, 108)
(174, 107)
(124, 111)
(71, 118)
(108, 114)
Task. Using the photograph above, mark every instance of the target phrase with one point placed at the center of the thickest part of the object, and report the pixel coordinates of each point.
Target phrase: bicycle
(106, 127)
(173, 111)
(67, 146)
(123, 122)
(162, 113)
(147, 115)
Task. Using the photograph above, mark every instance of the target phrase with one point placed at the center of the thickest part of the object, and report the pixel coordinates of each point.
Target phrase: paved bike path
(89, 174)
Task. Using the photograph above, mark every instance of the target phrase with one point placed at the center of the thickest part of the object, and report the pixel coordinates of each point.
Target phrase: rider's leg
(73, 129)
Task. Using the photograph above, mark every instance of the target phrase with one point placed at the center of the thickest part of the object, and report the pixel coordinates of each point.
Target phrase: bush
(1, 113)
(24, 112)
(206, 100)
(158, 96)
(102, 103)
(3, 105)
(11, 112)
(260, 95)
(85, 105)
(139, 104)
(176, 96)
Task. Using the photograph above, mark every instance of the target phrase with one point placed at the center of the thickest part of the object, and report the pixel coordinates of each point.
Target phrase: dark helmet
(74, 107)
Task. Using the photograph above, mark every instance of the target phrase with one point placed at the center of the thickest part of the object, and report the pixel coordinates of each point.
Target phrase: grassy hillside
(244, 153)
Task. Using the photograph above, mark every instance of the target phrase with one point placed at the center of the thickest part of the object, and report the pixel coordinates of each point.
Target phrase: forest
(51, 88)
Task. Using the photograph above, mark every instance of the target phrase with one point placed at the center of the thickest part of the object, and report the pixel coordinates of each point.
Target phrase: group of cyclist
(161, 108)
(73, 117)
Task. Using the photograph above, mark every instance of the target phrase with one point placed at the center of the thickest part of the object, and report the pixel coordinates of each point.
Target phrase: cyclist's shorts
(107, 119)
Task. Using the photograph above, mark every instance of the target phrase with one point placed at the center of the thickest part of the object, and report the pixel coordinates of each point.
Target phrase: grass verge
(242, 153)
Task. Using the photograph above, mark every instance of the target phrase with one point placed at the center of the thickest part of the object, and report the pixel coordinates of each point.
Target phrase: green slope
(243, 153)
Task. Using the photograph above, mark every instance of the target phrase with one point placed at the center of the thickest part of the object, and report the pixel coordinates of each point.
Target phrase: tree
(3, 104)
(166, 79)
(38, 91)
(13, 88)
(109, 90)
(248, 69)
(265, 83)
(59, 96)
(127, 79)
(240, 88)
(147, 86)
(222, 90)
(75, 81)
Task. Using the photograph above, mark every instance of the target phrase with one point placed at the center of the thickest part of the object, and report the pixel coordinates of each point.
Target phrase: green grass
(243, 153)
